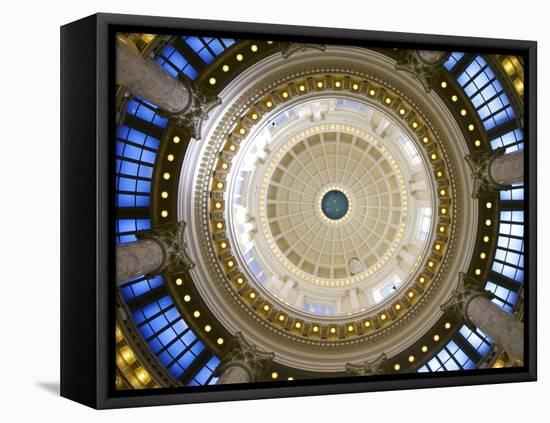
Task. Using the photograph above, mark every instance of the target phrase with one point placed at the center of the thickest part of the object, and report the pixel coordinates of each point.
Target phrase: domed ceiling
(327, 202)
(319, 280)
(332, 206)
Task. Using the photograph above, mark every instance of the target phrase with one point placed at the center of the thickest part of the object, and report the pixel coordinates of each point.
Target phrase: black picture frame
(87, 250)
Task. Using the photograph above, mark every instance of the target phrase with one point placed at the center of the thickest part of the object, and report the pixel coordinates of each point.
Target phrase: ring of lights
(218, 220)
(226, 132)
(343, 317)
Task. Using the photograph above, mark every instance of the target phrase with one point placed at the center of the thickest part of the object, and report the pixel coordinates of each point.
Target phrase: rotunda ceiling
(324, 207)
(342, 212)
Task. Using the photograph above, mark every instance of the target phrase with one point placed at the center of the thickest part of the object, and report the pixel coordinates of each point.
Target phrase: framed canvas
(255, 211)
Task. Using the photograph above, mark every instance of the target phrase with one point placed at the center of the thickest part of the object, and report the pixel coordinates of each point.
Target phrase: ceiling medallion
(334, 204)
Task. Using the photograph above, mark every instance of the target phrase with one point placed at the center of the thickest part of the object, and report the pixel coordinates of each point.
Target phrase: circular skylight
(335, 204)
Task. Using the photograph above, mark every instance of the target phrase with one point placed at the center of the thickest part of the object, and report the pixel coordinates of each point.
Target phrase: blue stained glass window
(513, 141)
(138, 138)
(509, 255)
(486, 94)
(453, 60)
(504, 298)
(513, 194)
(175, 64)
(216, 46)
(140, 286)
(450, 358)
(168, 335)
(195, 43)
(136, 153)
(182, 362)
(151, 309)
(145, 110)
(478, 340)
(129, 151)
(208, 48)
(318, 308)
(255, 267)
(205, 375)
(126, 228)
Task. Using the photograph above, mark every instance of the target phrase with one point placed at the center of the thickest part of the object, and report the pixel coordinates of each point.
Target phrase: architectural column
(368, 368)
(243, 362)
(507, 169)
(424, 65)
(299, 299)
(474, 305)
(158, 250)
(145, 78)
(186, 103)
(287, 287)
(368, 296)
(353, 299)
(494, 170)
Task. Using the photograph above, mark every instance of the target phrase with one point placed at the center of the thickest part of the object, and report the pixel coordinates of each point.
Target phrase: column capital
(368, 368)
(170, 238)
(200, 105)
(424, 65)
(467, 289)
(288, 49)
(242, 354)
(143, 77)
(480, 166)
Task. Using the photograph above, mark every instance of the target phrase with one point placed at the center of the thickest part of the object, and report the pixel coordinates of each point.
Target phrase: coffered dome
(337, 219)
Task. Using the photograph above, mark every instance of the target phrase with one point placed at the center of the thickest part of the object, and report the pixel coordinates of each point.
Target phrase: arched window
(171, 339)
(477, 339)
(173, 62)
(126, 229)
(486, 93)
(509, 255)
(135, 155)
(140, 286)
(451, 357)
(146, 111)
(513, 141)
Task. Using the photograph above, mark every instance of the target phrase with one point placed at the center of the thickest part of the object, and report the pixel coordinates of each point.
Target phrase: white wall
(30, 196)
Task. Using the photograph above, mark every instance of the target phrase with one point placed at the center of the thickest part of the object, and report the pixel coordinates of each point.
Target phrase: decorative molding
(480, 165)
(170, 239)
(237, 110)
(197, 111)
(368, 368)
(288, 49)
(243, 354)
(424, 65)
(467, 289)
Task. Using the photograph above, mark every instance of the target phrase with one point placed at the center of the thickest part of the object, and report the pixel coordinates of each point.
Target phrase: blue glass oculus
(334, 204)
